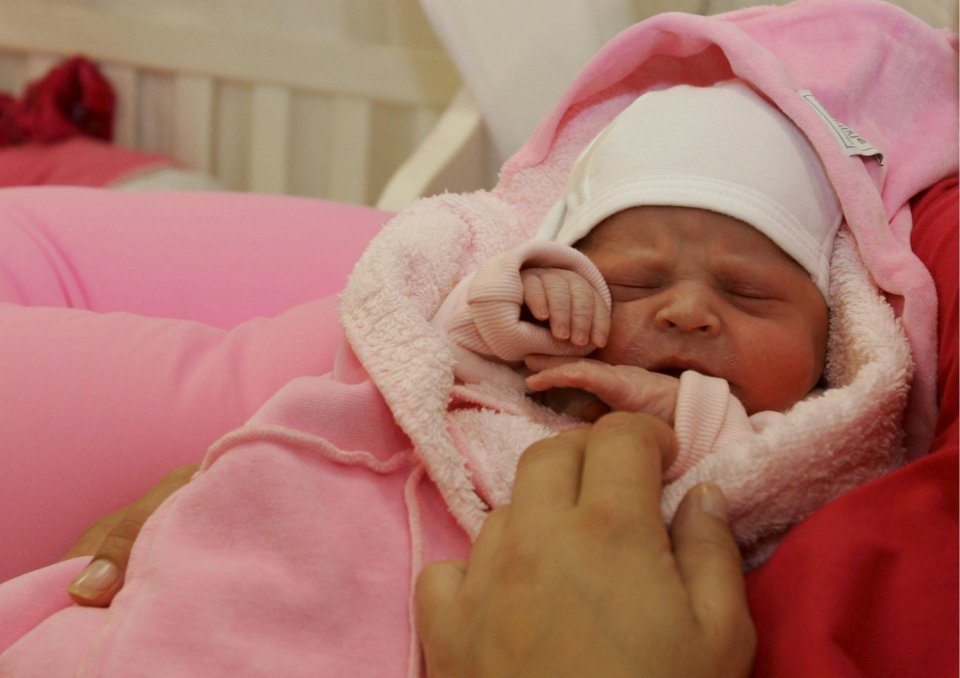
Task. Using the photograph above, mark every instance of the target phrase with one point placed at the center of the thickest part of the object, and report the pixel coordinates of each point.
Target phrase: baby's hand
(620, 387)
(575, 310)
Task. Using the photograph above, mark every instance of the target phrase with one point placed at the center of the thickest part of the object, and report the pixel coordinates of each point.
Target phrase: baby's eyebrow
(737, 262)
(753, 274)
(740, 268)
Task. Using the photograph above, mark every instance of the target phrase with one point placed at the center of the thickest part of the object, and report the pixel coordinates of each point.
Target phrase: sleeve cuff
(706, 412)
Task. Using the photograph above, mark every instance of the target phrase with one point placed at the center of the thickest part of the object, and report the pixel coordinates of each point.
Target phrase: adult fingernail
(714, 502)
(96, 579)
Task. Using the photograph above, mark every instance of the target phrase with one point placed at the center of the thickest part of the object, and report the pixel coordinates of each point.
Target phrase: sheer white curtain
(518, 56)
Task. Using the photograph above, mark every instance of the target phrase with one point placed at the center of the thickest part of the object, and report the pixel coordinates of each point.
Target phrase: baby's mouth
(676, 367)
(671, 371)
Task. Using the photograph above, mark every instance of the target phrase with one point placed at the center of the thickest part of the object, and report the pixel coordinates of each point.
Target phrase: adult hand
(111, 539)
(578, 576)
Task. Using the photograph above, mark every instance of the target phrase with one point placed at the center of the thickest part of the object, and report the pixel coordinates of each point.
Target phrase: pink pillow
(138, 328)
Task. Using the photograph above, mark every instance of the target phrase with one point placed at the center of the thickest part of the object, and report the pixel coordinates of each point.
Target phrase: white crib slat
(269, 139)
(350, 149)
(123, 79)
(154, 41)
(453, 157)
(193, 113)
(425, 120)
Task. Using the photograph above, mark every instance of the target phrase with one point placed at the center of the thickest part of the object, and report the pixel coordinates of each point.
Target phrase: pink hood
(843, 70)
(874, 68)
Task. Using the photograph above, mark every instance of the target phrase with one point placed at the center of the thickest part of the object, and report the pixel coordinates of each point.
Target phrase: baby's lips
(674, 367)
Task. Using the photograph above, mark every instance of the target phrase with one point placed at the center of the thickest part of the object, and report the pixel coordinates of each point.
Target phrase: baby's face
(694, 289)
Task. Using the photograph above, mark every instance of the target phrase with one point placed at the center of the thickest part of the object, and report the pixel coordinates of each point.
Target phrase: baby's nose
(688, 308)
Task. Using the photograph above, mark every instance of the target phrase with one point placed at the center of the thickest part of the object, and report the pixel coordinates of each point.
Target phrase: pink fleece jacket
(294, 551)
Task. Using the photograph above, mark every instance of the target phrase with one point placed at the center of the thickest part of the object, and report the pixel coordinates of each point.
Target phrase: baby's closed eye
(748, 291)
(627, 288)
(631, 292)
(752, 288)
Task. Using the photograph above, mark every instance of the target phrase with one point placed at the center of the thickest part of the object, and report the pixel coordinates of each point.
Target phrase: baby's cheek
(780, 377)
(628, 342)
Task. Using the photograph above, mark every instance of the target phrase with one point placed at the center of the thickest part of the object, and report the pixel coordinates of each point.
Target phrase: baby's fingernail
(96, 579)
(580, 338)
(599, 339)
(561, 331)
(713, 502)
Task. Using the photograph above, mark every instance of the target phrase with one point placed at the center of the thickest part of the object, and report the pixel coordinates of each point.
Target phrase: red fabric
(79, 161)
(72, 99)
(55, 133)
(868, 585)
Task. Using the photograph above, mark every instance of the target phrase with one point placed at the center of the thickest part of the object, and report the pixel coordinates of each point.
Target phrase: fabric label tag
(851, 142)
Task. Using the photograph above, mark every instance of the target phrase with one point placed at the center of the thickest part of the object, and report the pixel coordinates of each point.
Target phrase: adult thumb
(712, 570)
(102, 578)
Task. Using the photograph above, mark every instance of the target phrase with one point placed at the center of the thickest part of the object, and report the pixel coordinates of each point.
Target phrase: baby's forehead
(665, 226)
(655, 237)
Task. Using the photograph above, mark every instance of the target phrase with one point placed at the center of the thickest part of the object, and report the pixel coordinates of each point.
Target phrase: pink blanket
(294, 551)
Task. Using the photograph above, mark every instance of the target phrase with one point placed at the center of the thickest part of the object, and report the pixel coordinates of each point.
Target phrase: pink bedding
(234, 293)
(78, 161)
(58, 132)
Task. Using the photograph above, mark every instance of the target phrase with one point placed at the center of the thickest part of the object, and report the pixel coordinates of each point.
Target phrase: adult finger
(90, 541)
(102, 578)
(712, 570)
(441, 585)
(437, 587)
(548, 476)
(436, 599)
(623, 465)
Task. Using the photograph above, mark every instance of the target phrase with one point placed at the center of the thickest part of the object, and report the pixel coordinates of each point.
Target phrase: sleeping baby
(690, 268)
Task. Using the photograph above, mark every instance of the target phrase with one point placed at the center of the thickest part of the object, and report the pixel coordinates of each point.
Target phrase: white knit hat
(720, 148)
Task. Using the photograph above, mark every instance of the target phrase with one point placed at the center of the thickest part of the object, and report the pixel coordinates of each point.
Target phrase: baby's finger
(534, 296)
(588, 375)
(558, 303)
(601, 322)
(606, 382)
(539, 362)
(583, 302)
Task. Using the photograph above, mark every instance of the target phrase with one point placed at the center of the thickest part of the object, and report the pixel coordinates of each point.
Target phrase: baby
(696, 284)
